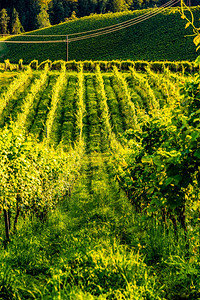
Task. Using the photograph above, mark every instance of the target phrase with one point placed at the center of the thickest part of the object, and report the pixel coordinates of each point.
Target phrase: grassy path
(117, 121)
(16, 102)
(96, 212)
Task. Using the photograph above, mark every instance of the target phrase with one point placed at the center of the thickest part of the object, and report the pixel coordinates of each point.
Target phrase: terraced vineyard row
(62, 108)
(52, 95)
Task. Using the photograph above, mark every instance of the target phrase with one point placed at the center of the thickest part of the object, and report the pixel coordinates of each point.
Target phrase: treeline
(17, 16)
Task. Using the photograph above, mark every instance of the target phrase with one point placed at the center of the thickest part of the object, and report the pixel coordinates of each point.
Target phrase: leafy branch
(190, 22)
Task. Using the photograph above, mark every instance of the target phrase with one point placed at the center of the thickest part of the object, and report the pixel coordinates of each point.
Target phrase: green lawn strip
(127, 107)
(119, 97)
(97, 222)
(5, 79)
(92, 130)
(14, 106)
(67, 112)
(103, 113)
(36, 89)
(38, 114)
(113, 104)
(55, 133)
(16, 84)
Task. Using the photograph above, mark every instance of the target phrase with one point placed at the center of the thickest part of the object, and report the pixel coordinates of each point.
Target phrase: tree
(58, 12)
(16, 26)
(102, 5)
(118, 5)
(43, 18)
(4, 21)
(44, 3)
(83, 8)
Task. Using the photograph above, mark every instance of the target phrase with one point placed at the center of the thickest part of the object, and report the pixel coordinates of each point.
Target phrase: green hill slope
(162, 37)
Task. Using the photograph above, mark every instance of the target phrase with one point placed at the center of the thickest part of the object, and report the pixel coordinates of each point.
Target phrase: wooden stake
(67, 50)
(7, 225)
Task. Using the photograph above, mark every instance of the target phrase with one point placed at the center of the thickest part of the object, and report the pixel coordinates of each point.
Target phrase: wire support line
(32, 35)
(117, 28)
(102, 31)
(33, 42)
(84, 32)
(128, 21)
(166, 5)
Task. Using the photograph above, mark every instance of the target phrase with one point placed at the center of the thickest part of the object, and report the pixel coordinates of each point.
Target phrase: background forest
(17, 16)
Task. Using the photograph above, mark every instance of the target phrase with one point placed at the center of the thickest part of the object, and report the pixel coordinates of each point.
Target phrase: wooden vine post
(7, 224)
(67, 48)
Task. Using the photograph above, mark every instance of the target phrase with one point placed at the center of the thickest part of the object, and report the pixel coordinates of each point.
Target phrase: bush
(125, 65)
(157, 66)
(88, 65)
(58, 64)
(34, 64)
(43, 64)
(72, 65)
(141, 65)
(103, 65)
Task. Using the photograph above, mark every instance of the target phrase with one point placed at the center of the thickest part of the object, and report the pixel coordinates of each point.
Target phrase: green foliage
(191, 22)
(80, 103)
(54, 102)
(128, 107)
(15, 85)
(31, 171)
(151, 101)
(161, 171)
(28, 101)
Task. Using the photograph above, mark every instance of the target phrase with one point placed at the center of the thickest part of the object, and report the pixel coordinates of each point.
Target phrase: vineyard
(160, 38)
(100, 182)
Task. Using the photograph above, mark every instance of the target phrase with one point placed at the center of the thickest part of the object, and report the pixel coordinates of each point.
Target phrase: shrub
(58, 64)
(34, 64)
(43, 64)
(72, 65)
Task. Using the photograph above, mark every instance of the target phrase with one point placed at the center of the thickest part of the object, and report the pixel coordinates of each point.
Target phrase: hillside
(97, 206)
(162, 37)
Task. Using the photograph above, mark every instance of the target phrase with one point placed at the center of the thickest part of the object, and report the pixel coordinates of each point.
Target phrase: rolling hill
(162, 37)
